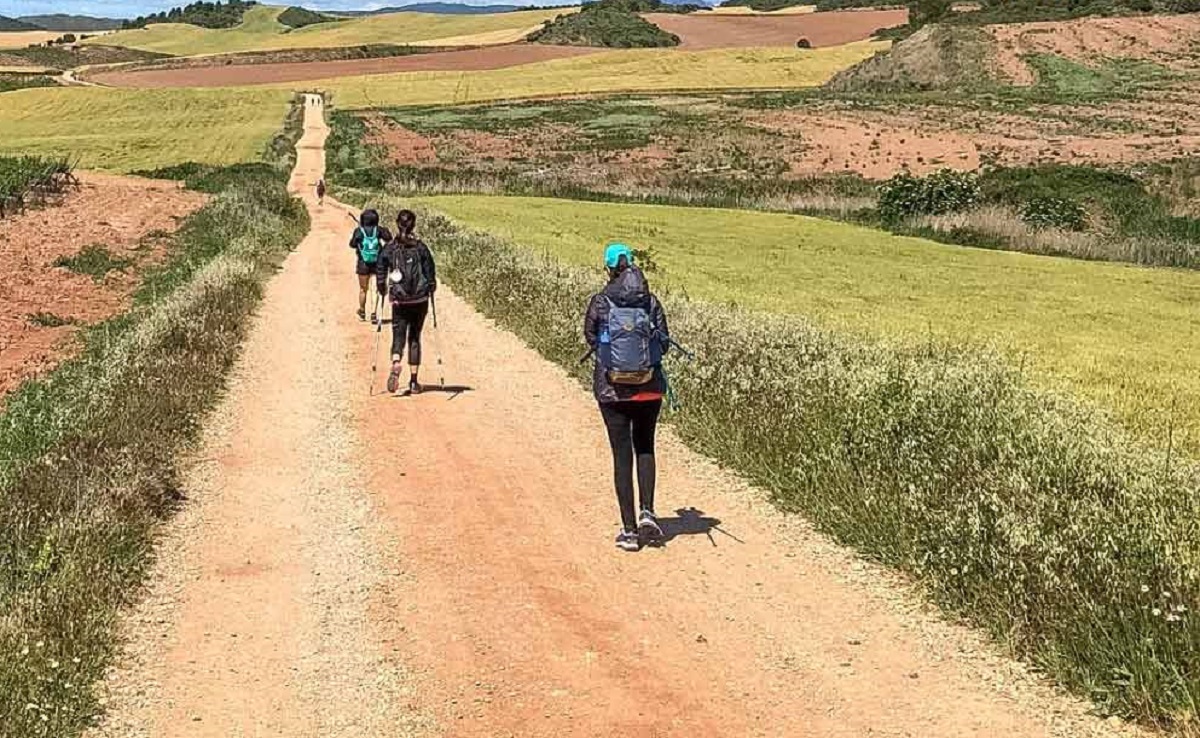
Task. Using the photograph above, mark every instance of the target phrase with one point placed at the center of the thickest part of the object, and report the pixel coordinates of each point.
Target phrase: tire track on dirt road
(467, 580)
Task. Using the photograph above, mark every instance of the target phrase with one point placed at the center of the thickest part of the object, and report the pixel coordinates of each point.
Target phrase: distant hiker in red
(321, 191)
(368, 241)
(406, 273)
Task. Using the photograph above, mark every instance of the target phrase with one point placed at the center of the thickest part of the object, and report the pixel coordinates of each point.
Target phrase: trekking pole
(438, 342)
(378, 333)
(690, 356)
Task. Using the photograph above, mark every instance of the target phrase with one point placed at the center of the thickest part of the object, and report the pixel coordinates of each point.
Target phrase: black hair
(622, 265)
(406, 222)
(369, 218)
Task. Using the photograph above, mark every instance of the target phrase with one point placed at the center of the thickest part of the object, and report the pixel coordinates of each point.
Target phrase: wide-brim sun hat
(614, 252)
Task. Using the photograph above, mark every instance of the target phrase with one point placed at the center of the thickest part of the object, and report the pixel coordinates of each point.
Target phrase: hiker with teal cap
(626, 330)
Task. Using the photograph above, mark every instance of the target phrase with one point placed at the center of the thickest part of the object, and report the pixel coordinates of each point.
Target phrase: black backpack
(409, 280)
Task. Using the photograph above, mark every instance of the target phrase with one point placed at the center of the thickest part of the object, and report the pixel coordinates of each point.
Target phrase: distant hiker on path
(321, 191)
(626, 329)
(406, 273)
(367, 241)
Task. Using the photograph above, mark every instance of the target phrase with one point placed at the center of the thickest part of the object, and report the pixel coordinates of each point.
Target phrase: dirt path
(442, 565)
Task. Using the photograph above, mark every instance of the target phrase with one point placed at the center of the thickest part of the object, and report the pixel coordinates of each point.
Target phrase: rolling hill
(12, 24)
(260, 30)
(64, 22)
(441, 8)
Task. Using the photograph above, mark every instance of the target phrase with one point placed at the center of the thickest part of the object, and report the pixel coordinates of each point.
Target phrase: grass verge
(89, 454)
(1017, 509)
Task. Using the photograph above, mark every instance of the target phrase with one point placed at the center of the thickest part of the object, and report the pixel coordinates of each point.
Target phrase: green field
(126, 130)
(1128, 337)
(260, 30)
(631, 70)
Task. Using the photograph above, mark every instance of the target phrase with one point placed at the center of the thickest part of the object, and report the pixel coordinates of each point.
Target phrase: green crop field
(617, 71)
(1128, 337)
(261, 30)
(127, 130)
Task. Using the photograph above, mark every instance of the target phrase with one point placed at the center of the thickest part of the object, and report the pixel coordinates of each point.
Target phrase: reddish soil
(1157, 38)
(836, 143)
(877, 143)
(404, 146)
(487, 57)
(116, 212)
(713, 31)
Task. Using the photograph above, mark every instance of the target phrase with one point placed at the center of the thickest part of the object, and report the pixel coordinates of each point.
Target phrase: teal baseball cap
(614, 252)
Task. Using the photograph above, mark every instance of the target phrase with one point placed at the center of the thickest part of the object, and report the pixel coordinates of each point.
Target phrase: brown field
(487, 57)
(725, 31)
(1169, 39)
(119, 213)
(21, 39)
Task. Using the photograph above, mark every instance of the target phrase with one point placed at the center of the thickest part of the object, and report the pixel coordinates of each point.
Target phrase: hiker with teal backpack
(626, 330)
(406, 273)
(368, 241)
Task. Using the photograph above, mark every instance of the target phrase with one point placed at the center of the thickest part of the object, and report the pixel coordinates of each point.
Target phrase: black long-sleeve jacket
(627, 289)
(387, 258)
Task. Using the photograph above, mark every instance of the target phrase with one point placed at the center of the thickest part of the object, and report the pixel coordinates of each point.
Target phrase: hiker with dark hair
(406, 273)
(368, 241)
(626, 329)
(321, 191)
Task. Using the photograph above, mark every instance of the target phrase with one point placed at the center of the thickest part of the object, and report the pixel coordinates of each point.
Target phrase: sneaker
(648, 527)
(393, 382)
(362, 314)
(627, 540)
(374, 318)
(414, 388)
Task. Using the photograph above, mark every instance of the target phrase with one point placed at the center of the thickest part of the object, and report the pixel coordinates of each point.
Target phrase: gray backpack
(630, 345)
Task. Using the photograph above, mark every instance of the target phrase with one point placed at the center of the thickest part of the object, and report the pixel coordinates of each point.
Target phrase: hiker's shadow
(454, 390)
(689, 521)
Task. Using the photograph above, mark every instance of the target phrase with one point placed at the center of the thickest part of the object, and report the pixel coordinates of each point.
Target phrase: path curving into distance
(355, 565)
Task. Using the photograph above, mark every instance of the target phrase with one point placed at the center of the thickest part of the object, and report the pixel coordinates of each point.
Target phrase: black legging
(631, 428)
(407, 322)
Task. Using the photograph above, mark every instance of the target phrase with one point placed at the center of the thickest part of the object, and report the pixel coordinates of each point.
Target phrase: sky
(133, 8)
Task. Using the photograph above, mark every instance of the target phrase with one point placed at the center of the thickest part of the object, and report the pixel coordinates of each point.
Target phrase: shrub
(295, 17)
(1054, 212)
(803, 44)
(10, 82)
(94, 261)
(202, 13)
(945, 191)
(27, 180)
(49, 320)
(609, 23)
(1024, 512)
